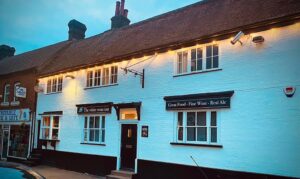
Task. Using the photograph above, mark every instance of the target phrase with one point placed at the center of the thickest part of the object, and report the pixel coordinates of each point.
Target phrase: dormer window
(197, 60)
(102, 77)
(54, 85)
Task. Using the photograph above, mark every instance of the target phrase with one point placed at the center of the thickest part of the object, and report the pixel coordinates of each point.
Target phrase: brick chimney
(120, 19)
(6, 51)
(76, 30)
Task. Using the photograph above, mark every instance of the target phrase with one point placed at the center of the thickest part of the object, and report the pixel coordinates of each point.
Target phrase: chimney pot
(76, 30)
(6, 51)
(122, 7)
(125, 12)
(117, 8)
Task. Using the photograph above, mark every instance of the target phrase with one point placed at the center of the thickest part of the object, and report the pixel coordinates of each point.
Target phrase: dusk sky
(31, 24)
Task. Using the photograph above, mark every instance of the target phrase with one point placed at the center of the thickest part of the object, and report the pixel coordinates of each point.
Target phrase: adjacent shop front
(15, 133)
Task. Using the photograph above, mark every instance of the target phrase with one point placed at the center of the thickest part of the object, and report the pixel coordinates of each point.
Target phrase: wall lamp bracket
(136, 73)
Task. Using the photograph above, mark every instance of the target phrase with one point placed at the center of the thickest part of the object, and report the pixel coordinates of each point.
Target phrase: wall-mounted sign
(289, 91)
(21, 92)
(206, 103)
(145, 130)
(14, 115)
(99, 108)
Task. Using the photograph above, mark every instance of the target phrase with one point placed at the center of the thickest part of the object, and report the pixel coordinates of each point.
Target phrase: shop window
(128, 114)
(197, 127)
(6, 93)
(102, 77)
(197, 59)
(54, 85)
(50, 127)
(19, 140)
(94, 129)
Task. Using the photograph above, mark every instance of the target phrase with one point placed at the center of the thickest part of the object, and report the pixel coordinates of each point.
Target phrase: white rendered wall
(259, 133)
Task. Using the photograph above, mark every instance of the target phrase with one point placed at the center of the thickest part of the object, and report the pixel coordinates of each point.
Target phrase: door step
(120, 174)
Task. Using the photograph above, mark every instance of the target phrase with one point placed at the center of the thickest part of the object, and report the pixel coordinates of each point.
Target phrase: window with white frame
(16, 86)
(102, 77)
(50, 127)
(54, 84)
(197, 127)
(94, 129)
(6, 93)
(197, 59)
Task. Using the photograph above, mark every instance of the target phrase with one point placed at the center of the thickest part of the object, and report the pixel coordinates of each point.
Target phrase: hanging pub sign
(145, 130)
(14, 115)
(97, 108)
(20, 92)
(199, 101)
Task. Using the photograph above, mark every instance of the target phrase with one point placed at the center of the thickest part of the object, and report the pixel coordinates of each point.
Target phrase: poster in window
(145, 131)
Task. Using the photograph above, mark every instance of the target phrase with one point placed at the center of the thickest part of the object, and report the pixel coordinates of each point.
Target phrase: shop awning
(51, 113)
(199, 101)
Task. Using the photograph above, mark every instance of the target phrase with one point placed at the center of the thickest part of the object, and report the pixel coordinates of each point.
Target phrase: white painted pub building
(221, 100)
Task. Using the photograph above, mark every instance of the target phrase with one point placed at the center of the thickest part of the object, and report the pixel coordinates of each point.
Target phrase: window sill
(198, 145)
(197, 72)
(86, 143)
(15, 103)
(53, 93)
(92, 87)
(5, 104)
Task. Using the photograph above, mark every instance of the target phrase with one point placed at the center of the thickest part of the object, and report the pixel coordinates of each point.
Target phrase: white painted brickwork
(259, 133)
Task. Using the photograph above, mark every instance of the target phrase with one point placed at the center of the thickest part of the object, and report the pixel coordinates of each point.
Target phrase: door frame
(7, 149)
(124, 122)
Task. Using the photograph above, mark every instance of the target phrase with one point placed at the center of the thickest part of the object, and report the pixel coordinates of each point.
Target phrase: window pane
(179, 62)
(46, 121)
(17, 85)
(85, 122)
(89, 79)
(201, 133)
(97, 77)
(193, 60)
(191, 134)
(59, 86)
(114, 74)
(92, 135)
(215, 50)
(184, 62)
(216, 62)
(201, 118)
(85, 135)
(209, 51)
(46, 133)
(97, 122)
(199, 59)
(180, 133)
(97, 135)
(54, 85)
(103, 136)
(105, 77)
(49, 86)
(213, 134)
(208, 63)
(55, 121)
(54, 133)
(213, 120)
(103, 122)
(91, 125)
(191, 119)
(180, 119)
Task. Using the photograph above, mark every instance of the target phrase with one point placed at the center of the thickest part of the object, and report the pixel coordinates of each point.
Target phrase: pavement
(55, 173)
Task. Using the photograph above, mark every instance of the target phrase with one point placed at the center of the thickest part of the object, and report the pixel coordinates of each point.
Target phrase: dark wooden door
(39, 142)
(128, 146)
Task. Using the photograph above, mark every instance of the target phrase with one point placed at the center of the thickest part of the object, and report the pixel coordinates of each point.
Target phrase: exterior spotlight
(70, 76)
(258, 39)
(237, 38)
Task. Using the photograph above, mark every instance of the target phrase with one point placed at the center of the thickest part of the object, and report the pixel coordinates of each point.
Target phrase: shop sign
(14, 115)
(93, 109)
(21, 92)
(206, 103)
